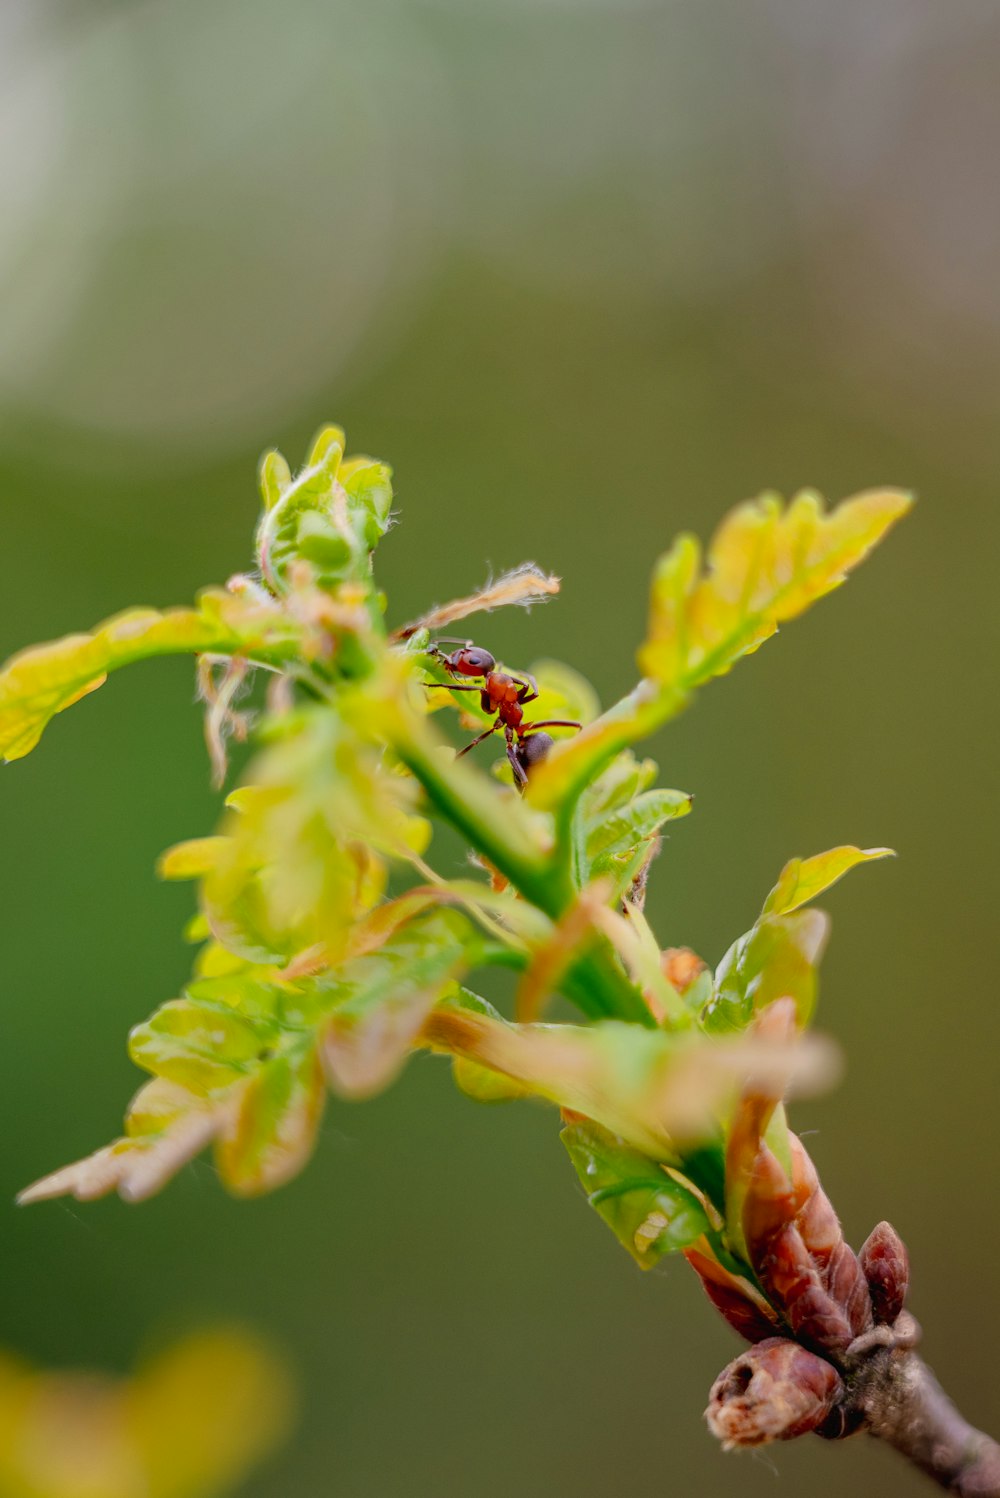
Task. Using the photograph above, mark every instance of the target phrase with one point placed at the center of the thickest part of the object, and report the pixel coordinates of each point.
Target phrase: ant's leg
(520, 774)
(549, 723)
(448, 686)
(528, 685)
(492, 729)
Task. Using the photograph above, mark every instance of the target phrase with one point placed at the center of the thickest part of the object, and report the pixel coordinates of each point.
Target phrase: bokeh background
(586, 272)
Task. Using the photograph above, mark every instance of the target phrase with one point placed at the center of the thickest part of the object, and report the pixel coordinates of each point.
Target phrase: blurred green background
(585, 272)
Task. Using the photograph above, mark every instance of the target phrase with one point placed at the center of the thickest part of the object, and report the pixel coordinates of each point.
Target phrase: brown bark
(900, 1401)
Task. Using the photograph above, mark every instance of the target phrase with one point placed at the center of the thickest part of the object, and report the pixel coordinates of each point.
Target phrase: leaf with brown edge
(653, 1089)
(734, 1297)
(523, 585)
(239, 1061)
(263, 1125)
(269, 1133)
(167, 1126)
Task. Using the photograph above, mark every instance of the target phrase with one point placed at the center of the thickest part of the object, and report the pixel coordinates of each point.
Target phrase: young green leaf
(271, 1132)
(802, 879)
(625, 778)
(306, 848)
(649, 1212)
(777, 958)
(369, 1035)
(618, 833)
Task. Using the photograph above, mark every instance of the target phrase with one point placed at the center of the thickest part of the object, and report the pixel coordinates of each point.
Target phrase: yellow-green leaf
(270, 1134)
(46, 679)
(192, 859)
(802, 879)
(766, 563)
(190, 1423)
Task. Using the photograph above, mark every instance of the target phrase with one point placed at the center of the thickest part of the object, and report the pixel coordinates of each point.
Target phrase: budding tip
(774, 1391)
(886, 1266)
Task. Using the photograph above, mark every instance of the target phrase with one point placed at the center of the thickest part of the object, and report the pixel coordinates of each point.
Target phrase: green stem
(645, 709)
(595, 981)
(488, 834)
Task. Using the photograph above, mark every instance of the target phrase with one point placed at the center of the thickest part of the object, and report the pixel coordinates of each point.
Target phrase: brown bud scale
(772, 1392)
(732, 1298)
(886, 1266)
(810, 1274)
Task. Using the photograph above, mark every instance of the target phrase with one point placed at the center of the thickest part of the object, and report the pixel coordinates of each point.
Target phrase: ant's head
(469, 660)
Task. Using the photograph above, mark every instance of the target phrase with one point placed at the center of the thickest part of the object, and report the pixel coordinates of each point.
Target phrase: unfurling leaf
(329, 517)
(649, 1212)
(802, 879)
(618, 833)
(733, 1295)
(304, 855)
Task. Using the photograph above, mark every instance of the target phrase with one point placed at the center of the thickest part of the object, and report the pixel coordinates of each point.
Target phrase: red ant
(505, 695)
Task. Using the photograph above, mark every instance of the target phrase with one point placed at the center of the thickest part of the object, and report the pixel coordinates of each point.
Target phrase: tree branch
(777, 1390)
(901, 1402)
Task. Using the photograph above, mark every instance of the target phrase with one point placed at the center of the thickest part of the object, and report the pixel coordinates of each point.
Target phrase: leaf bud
(886, 1266)
(772, 1392)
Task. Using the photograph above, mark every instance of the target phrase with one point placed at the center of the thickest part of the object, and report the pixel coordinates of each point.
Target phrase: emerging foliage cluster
(329, 947)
